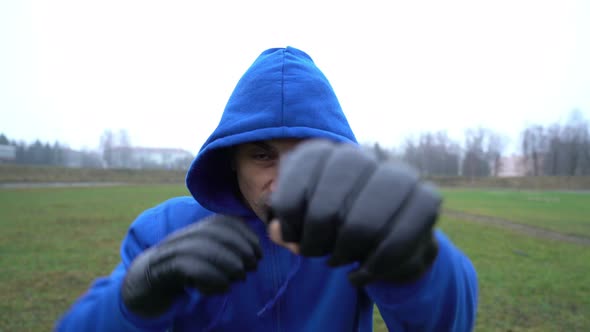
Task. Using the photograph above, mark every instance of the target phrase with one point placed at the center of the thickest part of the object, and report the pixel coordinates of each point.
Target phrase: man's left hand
(357, 206)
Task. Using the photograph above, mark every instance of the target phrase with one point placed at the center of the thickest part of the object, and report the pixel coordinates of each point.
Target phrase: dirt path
(521, 228)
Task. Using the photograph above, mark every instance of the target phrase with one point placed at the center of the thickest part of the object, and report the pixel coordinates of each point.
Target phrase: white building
(517, 165)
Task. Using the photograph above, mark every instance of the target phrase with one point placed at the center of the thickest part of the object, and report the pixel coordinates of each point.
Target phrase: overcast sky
(164, 70)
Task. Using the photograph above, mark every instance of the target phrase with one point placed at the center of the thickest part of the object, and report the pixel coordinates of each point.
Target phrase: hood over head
(282, 95)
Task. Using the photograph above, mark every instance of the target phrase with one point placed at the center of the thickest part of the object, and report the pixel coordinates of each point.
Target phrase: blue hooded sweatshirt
(282, 95)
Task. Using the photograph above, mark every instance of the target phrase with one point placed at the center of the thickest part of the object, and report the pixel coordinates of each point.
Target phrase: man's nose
(273, 185)
(273, 175)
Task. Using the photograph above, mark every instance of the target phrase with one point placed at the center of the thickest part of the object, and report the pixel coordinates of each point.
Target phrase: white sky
(165, 69)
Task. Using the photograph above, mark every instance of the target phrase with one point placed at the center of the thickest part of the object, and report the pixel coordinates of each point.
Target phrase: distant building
(512, 165)
(141, 157)
(7, 153)
(517, 165)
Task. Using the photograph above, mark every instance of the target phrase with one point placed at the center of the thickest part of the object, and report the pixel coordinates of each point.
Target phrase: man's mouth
(268, 213)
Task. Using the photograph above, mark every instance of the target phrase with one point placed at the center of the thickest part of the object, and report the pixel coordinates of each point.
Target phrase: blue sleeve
(101, 307)
(444, 299)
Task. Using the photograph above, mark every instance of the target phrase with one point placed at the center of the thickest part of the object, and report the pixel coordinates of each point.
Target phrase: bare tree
(496, 144)
(123, 138)
(476, 158)
(107, 143)
(124, 151)
(534, 145)
(553, 154)
(432, 154)
(575, 136)
(116, 148)
(558, 149)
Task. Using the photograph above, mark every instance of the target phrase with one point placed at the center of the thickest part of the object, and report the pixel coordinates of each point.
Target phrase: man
(291, 227)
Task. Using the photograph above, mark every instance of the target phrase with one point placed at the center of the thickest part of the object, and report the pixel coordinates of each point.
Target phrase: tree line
(50, 154)
(435, 153)
(553, 149)
(560, 148)
(115, 151)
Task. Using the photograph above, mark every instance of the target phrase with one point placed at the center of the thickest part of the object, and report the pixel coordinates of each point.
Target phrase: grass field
(564, 212)
(55, 241)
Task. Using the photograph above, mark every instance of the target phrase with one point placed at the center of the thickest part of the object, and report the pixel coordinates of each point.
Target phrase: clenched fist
(208, 255)
(357, 206)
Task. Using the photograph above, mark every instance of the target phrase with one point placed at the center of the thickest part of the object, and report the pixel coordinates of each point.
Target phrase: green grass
(564, 212)
(10, 173)
(55, 242)
(526, 284)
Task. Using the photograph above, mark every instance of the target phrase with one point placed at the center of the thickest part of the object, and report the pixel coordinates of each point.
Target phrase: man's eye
(261, 156)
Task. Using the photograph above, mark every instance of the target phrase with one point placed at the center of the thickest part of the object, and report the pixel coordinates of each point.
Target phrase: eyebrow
(264, 145)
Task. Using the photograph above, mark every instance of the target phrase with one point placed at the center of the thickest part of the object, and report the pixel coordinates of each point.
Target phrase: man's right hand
(208, 256)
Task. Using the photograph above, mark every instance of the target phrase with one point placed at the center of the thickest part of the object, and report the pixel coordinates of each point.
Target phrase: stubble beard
(262, 208)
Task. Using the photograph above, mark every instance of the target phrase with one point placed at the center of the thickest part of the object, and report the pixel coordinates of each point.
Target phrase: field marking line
(521, 228)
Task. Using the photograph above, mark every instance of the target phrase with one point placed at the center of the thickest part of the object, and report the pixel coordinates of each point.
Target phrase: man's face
(256, 166)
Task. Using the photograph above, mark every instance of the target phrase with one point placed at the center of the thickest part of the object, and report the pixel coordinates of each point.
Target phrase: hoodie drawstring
(215, 321)
(270, 304)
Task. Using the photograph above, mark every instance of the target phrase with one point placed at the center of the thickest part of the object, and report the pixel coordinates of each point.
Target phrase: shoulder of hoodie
(155, 223)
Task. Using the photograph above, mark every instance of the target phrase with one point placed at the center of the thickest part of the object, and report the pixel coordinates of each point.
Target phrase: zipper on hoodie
(276, 284)
(273, 270)
(278, 274)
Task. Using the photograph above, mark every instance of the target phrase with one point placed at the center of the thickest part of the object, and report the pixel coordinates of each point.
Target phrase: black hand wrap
(208, 255)
(358, 206)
